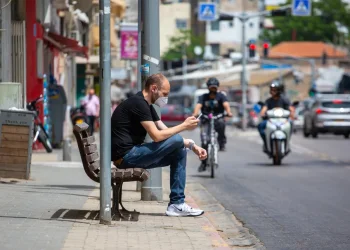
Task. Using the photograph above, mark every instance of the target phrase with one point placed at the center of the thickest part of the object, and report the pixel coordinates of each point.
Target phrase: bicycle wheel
(211, 160)
(44, 139)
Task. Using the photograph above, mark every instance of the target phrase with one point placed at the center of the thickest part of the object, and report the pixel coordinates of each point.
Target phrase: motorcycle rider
(217, 103)
(277, 99)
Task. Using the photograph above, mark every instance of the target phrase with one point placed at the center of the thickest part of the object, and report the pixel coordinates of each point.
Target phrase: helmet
(282, 88)
(277, 86)
(213, 82)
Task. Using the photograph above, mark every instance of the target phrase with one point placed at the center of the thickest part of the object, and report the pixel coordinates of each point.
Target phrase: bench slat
(92, 157)
(88, 140)
(95, 165)
(90, 149)
(81, 127)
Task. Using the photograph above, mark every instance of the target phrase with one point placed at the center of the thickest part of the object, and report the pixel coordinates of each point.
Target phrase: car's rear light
(320, 111)
(337, 101)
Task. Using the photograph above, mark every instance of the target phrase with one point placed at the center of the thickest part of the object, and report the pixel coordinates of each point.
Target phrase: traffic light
(252, 48)
(266, 47)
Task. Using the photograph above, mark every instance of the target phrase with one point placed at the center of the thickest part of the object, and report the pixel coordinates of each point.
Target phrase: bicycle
(212, 160)
(39, 131)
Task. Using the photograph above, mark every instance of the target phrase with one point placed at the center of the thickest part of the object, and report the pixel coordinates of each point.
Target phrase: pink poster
(129, 40)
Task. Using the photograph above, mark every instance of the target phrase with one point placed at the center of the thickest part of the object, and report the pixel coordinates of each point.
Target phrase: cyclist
(277, 99)
(217, 103)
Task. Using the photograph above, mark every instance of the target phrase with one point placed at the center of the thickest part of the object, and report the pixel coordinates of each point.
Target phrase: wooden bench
(89, 156)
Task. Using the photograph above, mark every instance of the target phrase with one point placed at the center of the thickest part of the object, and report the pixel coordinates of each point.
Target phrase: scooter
(78, 115)
(278, 132)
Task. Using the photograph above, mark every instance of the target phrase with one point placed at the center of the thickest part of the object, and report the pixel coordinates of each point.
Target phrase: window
(215, 48)
(215, 25)
(181, 24)
(336, 104)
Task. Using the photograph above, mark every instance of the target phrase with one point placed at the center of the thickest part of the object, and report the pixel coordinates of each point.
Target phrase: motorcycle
(278, 132)
(39, 131)
(78, 115)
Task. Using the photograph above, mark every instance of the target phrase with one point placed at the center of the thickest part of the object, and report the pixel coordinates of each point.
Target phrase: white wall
(228, 34)
(168, 13)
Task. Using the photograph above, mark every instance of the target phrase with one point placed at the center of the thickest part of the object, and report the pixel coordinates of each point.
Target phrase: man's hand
(229, 114)
(201, 152)
(190, 123)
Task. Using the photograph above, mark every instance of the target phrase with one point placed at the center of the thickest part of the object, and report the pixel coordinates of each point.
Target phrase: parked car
(298, 123)
(173, 115)
(327, 114)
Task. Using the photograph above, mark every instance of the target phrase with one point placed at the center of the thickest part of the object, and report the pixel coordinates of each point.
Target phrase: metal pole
(139, 82)
(105, 140)
(244, 73)
(152, 188)
(313, 74)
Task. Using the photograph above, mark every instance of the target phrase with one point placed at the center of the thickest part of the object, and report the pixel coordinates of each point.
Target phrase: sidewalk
(58, 209)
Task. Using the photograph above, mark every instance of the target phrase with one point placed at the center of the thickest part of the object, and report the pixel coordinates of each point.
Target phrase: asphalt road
(303, 204)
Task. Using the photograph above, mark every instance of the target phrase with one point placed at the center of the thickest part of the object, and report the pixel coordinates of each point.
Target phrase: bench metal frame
(89, 156)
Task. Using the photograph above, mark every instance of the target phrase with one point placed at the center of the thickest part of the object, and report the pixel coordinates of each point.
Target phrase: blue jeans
(261, 128)
(161, 154)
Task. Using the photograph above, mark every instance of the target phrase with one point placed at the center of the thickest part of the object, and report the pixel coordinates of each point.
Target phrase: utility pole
(105, 96)
(244, 73)
(152, 189)
(244, 17)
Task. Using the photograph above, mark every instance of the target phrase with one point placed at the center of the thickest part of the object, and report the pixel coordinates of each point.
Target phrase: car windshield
(336, 104)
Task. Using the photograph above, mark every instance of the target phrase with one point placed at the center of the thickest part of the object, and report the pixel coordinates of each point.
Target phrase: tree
(177, 42)
(321, 26)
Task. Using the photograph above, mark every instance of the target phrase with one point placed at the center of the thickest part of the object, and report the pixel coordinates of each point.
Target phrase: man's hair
(156, 79)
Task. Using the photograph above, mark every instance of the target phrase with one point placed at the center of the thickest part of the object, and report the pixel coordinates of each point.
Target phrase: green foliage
(321, 26)
(177, 42)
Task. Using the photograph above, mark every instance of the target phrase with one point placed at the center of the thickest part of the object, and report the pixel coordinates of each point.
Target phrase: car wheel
(314, 132)
(346, 135)
(306, 133)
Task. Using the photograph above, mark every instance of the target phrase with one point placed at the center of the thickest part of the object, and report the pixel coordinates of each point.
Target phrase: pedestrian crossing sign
(207, 12)
(301, 8)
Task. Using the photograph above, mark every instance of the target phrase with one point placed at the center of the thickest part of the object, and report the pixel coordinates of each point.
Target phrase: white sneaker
(183, 210)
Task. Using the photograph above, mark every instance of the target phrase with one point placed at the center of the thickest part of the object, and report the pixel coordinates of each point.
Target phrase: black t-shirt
(281, 102)
(214, 105)
(127, 130)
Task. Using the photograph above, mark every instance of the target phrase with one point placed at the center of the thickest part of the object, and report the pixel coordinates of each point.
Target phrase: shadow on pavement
(82, 215)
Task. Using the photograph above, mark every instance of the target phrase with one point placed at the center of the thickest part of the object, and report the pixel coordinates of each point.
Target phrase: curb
(226, 225)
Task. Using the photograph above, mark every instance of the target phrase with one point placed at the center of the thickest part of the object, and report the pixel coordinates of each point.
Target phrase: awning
(66, 45)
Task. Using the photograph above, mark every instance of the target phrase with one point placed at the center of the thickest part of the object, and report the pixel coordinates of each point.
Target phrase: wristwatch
(191, 144)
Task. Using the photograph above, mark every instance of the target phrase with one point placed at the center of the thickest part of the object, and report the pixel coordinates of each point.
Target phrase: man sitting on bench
(133, 119)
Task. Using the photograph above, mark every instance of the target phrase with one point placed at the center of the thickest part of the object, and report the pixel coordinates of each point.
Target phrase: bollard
(67, 150)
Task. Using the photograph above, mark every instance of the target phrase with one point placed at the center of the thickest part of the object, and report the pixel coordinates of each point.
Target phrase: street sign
(207, 12)
(301, 8)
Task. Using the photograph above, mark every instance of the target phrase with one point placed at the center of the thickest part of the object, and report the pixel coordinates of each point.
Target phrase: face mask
(161, 101)
(212, 92)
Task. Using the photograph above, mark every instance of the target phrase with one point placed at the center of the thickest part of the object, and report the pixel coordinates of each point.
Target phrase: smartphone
(199, 116)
